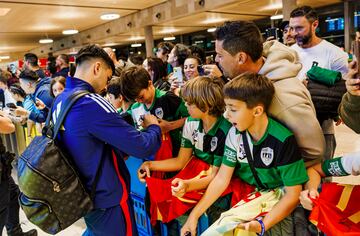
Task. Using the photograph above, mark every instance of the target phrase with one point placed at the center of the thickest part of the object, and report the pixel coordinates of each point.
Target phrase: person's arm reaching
(6, 125)
(213, 192)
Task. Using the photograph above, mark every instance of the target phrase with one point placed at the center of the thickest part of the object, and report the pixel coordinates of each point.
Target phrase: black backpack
(53, 196)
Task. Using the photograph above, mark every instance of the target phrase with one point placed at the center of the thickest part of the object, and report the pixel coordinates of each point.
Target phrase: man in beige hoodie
(240, 49)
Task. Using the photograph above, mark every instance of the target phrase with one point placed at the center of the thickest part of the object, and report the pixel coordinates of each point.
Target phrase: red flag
(337, 210)
(166, 207)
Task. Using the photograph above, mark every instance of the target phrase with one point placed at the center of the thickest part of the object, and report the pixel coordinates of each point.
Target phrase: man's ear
(315, 24)
(241, 57)
(96, 68)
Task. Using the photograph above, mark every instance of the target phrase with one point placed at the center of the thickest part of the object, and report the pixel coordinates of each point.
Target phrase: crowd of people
(223, 137)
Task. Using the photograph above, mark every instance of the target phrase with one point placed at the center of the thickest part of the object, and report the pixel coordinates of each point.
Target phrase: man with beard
(304, 21)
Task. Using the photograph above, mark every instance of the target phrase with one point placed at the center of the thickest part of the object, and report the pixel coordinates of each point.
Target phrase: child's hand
(178, 187)
(353, 80)
(144, 171)
(40, 104)
(148, 120)
(252, 226)
(189, 226)
(20, 111)
(305, 198)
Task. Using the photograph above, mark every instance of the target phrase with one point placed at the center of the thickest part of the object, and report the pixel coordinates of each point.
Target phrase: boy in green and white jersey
(272, 150)
(136, 85)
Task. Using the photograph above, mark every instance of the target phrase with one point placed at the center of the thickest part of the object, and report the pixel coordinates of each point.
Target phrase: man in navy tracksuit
(92, 130)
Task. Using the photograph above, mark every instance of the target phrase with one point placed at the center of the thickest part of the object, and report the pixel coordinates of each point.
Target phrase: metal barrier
(15, 142)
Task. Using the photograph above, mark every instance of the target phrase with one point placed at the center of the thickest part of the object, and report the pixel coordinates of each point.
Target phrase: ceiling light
(71, 31)
(135, 38)
(4, 11)
(136, 45)
(4, 57)
(168, 31)
(113, 49)
(46, 41)
(276, 17)
(111, 16)
(169, 38)
(211, 30)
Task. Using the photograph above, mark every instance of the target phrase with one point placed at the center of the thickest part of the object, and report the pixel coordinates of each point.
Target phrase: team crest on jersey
(195, 135)
(267, 155)
(213, 143)
(159, 113)
(241, 152)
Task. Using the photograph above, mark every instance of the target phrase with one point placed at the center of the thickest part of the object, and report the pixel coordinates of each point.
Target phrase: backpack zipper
(56, 185)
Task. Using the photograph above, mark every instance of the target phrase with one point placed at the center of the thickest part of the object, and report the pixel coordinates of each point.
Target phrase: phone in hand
(178, 74)
(272, 32)
(200, 70)
(11, 105)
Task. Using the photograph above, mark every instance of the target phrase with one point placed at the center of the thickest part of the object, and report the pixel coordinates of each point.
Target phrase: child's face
(238, 114)
(145, 96)
(57, 88)
(194, 111)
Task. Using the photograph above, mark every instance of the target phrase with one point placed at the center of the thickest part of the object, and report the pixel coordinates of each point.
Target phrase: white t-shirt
(328, 55)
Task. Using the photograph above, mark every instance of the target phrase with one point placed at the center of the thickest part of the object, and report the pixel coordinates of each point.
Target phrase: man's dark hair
(198, 52)
(114, 87)
(31, 58)
(90, 52)
(16, 89)
(181, 52)
(251, 88)
(132, 81)
(307, 11)
(241, 36)
(158, 67)
(136, 59)
(29, 75)
(65, 58)
(165, 46)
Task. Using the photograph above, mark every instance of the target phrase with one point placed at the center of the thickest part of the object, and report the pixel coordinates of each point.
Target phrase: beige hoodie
(292, 103)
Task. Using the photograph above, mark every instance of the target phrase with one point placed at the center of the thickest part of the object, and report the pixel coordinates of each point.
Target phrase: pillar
(149, 40)
(288, 6)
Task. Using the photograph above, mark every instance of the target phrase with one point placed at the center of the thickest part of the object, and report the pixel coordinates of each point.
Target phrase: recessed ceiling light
(276, 17)
(4, 57)
(169, 38)
(4, 11)
(46, 41)
(136, 45)
(168, 31)
(71, 31)
(211, 30)
(110, 16)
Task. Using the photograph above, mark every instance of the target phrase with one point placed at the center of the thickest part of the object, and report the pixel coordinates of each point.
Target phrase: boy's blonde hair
(206, 94)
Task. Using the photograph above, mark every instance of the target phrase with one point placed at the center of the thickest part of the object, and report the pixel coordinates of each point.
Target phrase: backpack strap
(68, 104)
(250, 160)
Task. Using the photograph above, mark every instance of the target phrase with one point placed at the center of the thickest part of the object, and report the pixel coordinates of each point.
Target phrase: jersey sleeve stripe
(105, 102)
(99, 103)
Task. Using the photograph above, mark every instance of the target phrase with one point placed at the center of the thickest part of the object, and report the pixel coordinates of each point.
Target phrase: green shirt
(209, 146)
(277, 159)
(166, 106)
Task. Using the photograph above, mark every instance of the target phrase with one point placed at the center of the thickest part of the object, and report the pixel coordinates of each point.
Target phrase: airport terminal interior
(180, 41)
